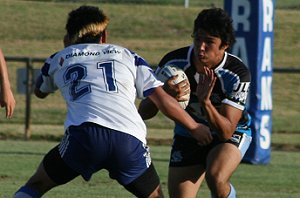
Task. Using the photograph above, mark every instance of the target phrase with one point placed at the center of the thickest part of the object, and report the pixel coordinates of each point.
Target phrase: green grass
(19, 160)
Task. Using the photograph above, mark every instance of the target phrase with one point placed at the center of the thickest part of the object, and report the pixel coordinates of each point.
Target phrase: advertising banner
(253, 22)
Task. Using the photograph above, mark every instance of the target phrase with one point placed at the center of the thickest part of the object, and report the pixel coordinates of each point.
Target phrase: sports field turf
(19, 159)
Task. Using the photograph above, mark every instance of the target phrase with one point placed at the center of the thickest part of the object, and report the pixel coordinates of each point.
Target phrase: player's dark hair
(86, 24)
(215, 22)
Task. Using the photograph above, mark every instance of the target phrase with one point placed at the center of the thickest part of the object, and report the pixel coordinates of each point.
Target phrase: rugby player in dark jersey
(219, 84)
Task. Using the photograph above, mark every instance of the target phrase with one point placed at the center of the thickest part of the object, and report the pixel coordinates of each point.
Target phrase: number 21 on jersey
(76, 73)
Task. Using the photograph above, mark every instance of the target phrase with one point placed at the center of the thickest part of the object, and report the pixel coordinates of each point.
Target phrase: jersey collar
(222, 62)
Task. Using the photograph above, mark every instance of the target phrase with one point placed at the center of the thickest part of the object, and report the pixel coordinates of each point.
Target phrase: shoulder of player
(50, 58)
(235, 60)
(236, 66)
(235, 63)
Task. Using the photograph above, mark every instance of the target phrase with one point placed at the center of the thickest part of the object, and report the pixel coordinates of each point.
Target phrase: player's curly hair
(86, 24)
(215, 22)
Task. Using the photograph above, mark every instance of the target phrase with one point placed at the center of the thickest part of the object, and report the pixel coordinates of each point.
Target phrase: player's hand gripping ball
(169, 71)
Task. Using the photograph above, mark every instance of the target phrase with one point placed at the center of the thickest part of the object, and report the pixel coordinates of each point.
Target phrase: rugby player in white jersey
(103, 129)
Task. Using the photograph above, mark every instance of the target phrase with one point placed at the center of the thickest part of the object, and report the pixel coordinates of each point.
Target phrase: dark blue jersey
(231, 88)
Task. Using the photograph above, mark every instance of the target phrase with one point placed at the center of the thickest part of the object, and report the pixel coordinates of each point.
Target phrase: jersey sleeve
(47, 85)
(235, 86)
(146, 80)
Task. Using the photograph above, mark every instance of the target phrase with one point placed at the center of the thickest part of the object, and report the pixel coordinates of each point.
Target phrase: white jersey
(100, 83)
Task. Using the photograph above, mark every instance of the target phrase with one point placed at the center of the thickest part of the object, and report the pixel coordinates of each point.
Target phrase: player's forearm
(218, 122)
(172, 110)
(4, 78)
(4, 73)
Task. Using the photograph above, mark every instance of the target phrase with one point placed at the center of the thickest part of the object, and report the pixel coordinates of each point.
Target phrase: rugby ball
(168, 71)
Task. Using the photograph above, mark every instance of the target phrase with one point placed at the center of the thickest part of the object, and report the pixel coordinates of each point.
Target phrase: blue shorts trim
(89, 148)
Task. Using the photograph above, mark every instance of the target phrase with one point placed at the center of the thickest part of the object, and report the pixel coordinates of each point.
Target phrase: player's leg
(186, 168)
(131, 165)
(222, 161)
(51, 172)
(184, 182)
(146, 185)
(37, 185)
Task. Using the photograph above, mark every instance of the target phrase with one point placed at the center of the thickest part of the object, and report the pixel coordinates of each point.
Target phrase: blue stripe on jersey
(229, 80)
(46, 66)
(53, 55)
(140, 61)
(45, 69)
(148, 92)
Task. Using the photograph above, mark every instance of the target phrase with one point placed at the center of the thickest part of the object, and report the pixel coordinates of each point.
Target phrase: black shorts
(187, 152)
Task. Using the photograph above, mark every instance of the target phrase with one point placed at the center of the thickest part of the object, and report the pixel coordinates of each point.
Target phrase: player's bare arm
(223, 121)
(171, 108)
(7, 99)
(147, 109)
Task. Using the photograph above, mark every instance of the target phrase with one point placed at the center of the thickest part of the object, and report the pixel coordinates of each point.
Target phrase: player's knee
(215, 179)
(157, 193)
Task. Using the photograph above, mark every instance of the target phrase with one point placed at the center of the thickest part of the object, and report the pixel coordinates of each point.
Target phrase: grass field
(35, 29)
(19, 159)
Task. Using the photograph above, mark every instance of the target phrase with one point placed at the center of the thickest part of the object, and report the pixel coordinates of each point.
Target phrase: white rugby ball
(169, 71)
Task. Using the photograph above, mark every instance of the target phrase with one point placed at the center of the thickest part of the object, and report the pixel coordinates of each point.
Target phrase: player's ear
(103, 37)
(224, 46)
